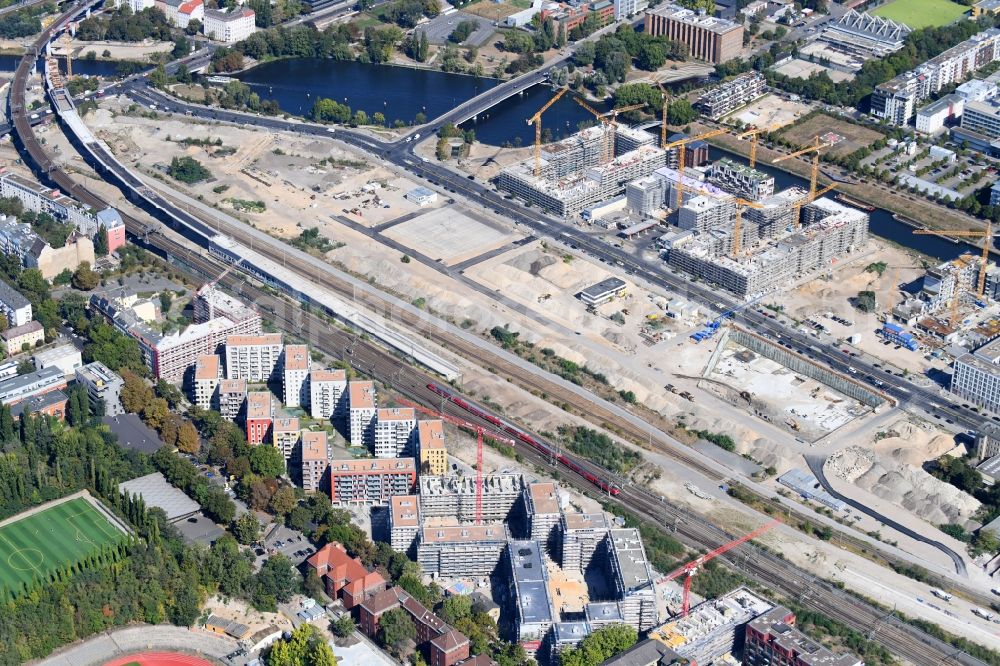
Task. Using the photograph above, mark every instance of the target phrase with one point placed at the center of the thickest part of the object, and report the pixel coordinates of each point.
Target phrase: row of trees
(124, 26)
(921, 45)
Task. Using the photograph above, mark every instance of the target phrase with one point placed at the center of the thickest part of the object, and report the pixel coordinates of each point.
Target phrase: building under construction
(830, 232)
(741, 180)
(713, 628)
(575, 173)
(461, 550)
(454, 496)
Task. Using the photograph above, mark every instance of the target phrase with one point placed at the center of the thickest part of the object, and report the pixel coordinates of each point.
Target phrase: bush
(188, 170)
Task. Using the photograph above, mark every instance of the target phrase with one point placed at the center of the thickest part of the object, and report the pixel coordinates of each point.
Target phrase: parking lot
(290, 543)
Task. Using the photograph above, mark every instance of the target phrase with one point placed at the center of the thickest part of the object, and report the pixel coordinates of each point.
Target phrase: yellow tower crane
(808, 199)
(814, 172)
(754, 135)
(741, 205)
(610, 121)
(681, 145)
(537, 120)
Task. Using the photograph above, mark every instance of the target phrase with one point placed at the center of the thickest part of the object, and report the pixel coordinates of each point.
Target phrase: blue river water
(81, 67)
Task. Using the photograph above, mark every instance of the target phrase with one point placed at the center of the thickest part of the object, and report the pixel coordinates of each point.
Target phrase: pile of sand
(911, 444)
(911, 487)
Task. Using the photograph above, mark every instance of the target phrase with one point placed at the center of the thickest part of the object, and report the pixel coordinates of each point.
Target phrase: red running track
(159, 659)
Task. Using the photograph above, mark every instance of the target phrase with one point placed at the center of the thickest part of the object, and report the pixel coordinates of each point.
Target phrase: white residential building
(14, 305)
(394, 432)
(327, 394)
(363, 411)
(296, 376)
(135, 5)
(207, 373)
(254, 358)
(229, 27)
(977, 377)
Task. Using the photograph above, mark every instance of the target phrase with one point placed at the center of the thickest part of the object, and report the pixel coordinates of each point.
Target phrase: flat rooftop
(608, 286)
(543, 497)
(207, 367)
(707, 618)
(693, 18)
(328, 376)
(374, 466)
(156, 491)
(466, 485)
(259, 405)
(397, 414)
(585, 521)
(404, 510)
(233, 386)
(635, 570)
(314, 445)
(362, 395)
(250, 340)
(296, 357)
(464, 534)
(530, 581)
(431, 434)
(285, 424)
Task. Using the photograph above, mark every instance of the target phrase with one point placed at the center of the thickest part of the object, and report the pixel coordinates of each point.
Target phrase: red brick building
(444, 645)
(345, 577)
(260, 417)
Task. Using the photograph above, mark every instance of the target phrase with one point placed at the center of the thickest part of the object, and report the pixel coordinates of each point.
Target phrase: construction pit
(779, 395)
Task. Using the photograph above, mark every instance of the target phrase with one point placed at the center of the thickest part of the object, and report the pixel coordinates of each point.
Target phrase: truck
(940, 594)
(983, 613)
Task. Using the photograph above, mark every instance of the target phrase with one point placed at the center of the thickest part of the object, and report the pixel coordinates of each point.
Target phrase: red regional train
(524, 437)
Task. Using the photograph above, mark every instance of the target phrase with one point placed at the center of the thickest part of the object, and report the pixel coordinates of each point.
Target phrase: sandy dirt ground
(240, 611)
(119, 50)
(770, 110)
(526, 273)
(832, 295)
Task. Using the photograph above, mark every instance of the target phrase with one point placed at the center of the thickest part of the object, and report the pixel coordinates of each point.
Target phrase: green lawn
(37, 546)
(921, 13)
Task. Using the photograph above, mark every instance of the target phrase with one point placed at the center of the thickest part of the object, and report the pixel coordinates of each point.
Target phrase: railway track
(901, 639)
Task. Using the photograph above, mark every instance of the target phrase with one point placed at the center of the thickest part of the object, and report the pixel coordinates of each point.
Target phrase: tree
(166, 300)
(188, 440)
(681, 112)
(343, 626)
(101, 242)
(283, 501)
(155, 413)
(267, 461)
(187, 170)
(865, 301)
(246, 529)
(600, 646)
(396, 630)
(158, 77)
(85, 278)
(25, 367)
(135, 393)
(4, 323)
(277, 580)
(455, 607)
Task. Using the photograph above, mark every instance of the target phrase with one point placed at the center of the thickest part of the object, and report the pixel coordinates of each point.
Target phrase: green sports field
(921, 13)
(38, 545)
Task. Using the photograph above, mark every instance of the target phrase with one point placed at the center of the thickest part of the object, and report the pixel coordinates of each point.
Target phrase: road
(775, 572)
(637, 500)
(909, 394)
